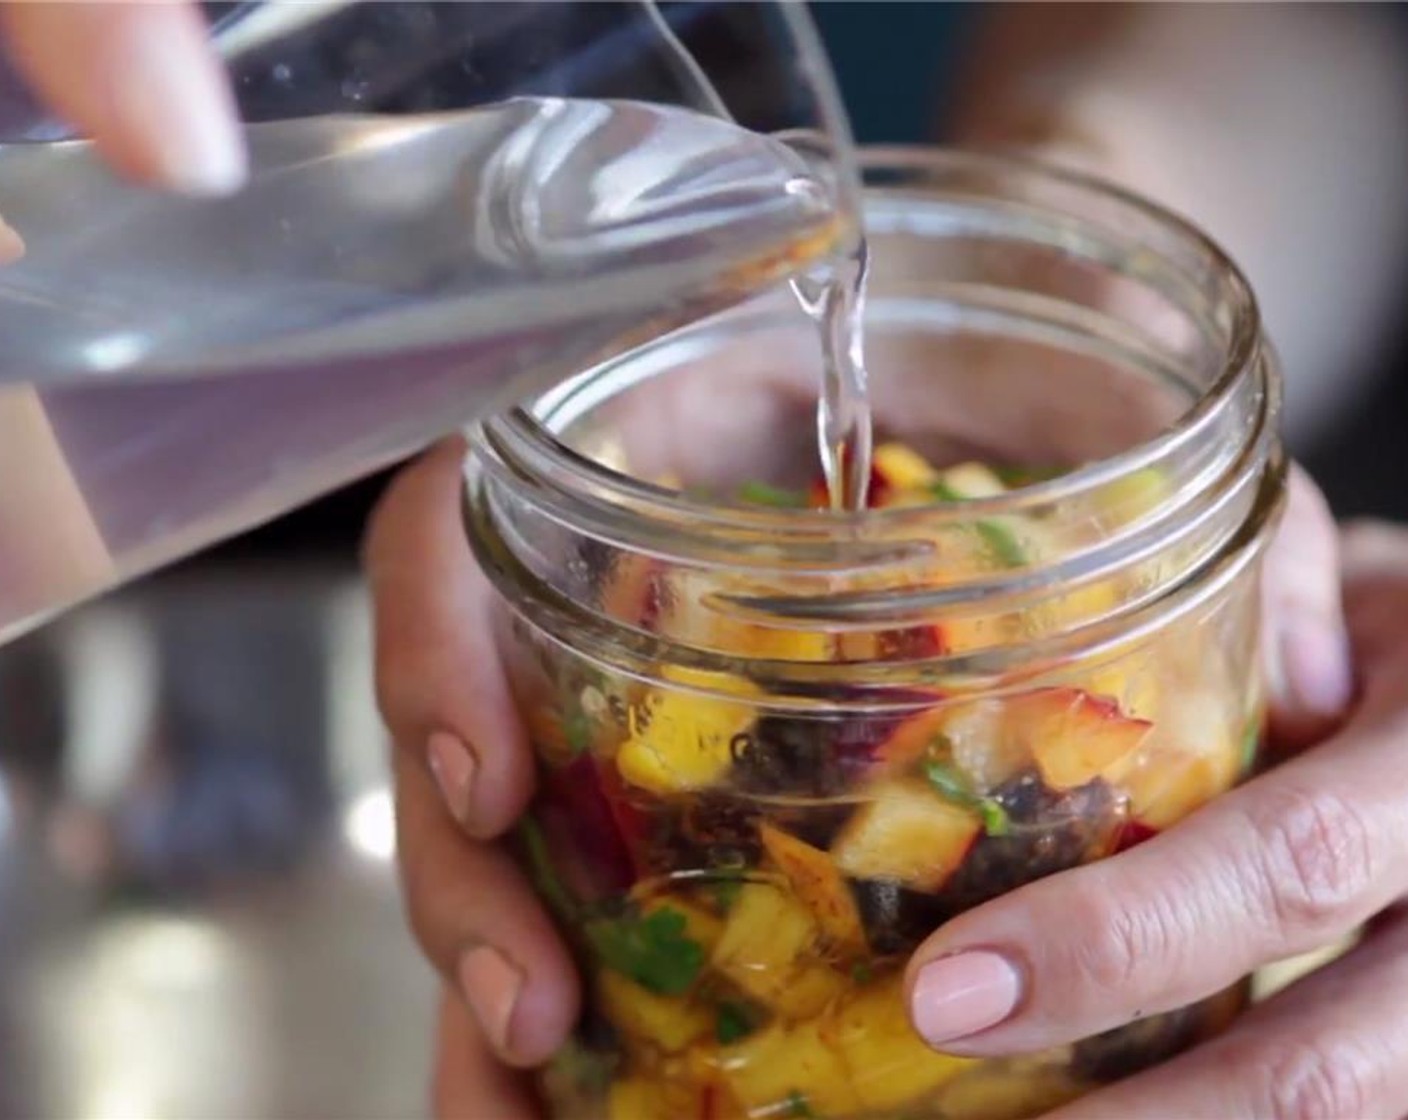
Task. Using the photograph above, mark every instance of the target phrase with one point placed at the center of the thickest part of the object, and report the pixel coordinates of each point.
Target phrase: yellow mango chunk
(901, 467)
(973, 480)
(819, 886)
(1000, 1091)
(1194, 755)
(699, 925)
(640, 1098)
(679, 741)
(773, 1071)
(688, 617)
(766, 949)
(669, 1022)
(890, 1066)
(908, 833)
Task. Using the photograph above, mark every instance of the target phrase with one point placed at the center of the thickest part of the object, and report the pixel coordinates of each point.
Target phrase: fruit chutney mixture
(744, 887)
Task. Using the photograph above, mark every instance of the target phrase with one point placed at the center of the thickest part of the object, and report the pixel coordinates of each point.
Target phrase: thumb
(1306, 647)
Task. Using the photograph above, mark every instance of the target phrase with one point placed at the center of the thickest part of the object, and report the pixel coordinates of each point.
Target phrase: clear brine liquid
(173, 372)
(833, 295)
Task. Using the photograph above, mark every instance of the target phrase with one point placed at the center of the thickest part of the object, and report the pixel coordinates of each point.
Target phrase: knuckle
(1123, 940)
(1309, 1081)
(1316, 860)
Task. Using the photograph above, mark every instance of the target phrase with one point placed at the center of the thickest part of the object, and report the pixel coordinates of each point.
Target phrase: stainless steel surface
(198, 915)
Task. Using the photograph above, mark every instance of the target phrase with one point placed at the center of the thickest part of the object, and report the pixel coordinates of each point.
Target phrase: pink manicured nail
(491, 986)
(1316, 661)
(453, 765)
(960, 995)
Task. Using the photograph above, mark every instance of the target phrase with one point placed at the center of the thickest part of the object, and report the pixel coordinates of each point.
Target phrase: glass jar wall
(777, 746)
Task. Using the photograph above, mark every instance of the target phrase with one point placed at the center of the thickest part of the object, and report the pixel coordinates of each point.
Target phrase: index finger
(441, 688)
(142, 79)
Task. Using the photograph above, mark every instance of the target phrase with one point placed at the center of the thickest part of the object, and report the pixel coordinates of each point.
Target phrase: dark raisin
(808, 757)
(896, 919)
(1126, 1050)
(706, 830)
(595, 1031)
(1049, 831)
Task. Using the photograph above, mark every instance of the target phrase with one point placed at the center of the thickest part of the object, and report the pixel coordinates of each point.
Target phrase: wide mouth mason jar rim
(570, 487)
(1245, 342)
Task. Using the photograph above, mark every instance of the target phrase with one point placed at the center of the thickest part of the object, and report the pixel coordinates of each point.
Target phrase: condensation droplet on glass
(355, 89)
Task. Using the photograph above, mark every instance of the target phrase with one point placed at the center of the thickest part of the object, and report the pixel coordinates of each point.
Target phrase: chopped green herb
(1003, 542)
(577, 730)
(1016, 477)
(956, 789)
(652, 949)
(797, 1106)
(724, 885)
(998, 537)
(1251, 742)
(540, 866)
(763, 494)
(995, 819)
(735, 1022)
(862, 973)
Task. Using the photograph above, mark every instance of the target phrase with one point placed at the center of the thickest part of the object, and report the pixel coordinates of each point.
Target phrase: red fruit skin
(916, 643)
(1132, 834)
(879, 492)
(584, 832)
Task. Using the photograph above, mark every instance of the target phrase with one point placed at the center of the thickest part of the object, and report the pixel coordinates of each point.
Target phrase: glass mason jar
(778, 747)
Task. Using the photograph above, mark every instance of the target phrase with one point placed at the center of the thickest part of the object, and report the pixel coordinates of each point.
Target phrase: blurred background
(198, 914)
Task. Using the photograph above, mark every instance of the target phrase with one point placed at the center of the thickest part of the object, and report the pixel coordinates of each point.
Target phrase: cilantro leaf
(1000, 539)
(735, 1021)
(1003, 543)
(577, 730)
(953, 786)
(725, 885)
(544, 875)
(1251, 743)
(651, 949)
(763, 494)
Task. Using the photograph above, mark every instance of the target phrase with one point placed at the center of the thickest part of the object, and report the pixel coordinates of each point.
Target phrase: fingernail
(453, 765)
(187, 117)
(490, 985)
(957, 996)
(1315, 666)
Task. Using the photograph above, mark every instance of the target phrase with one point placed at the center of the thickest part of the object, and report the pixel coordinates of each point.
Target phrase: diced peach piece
(910, 741)
(890, 1066)
(669, 1022)
(680, 741)
(1168, 785)
(973, 480)
(632, 591)
(643, 1098)
(999, 1091)
(687, 615)
(980, 747)
(1074, 737)
(1132, 682)
(1194, 756)
(907, 833)
(772, 1070)
(767, 949)
(902, 468)
(819, 886)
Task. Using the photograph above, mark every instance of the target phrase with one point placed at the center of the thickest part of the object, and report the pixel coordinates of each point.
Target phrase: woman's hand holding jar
(1290, 862)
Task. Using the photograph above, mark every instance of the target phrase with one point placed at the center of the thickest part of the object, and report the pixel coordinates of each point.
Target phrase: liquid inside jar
(743, 875)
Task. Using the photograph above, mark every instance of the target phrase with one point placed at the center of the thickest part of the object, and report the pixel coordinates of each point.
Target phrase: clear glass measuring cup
(450, 204)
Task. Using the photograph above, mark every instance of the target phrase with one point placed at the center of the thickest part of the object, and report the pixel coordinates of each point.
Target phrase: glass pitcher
(451, 205)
